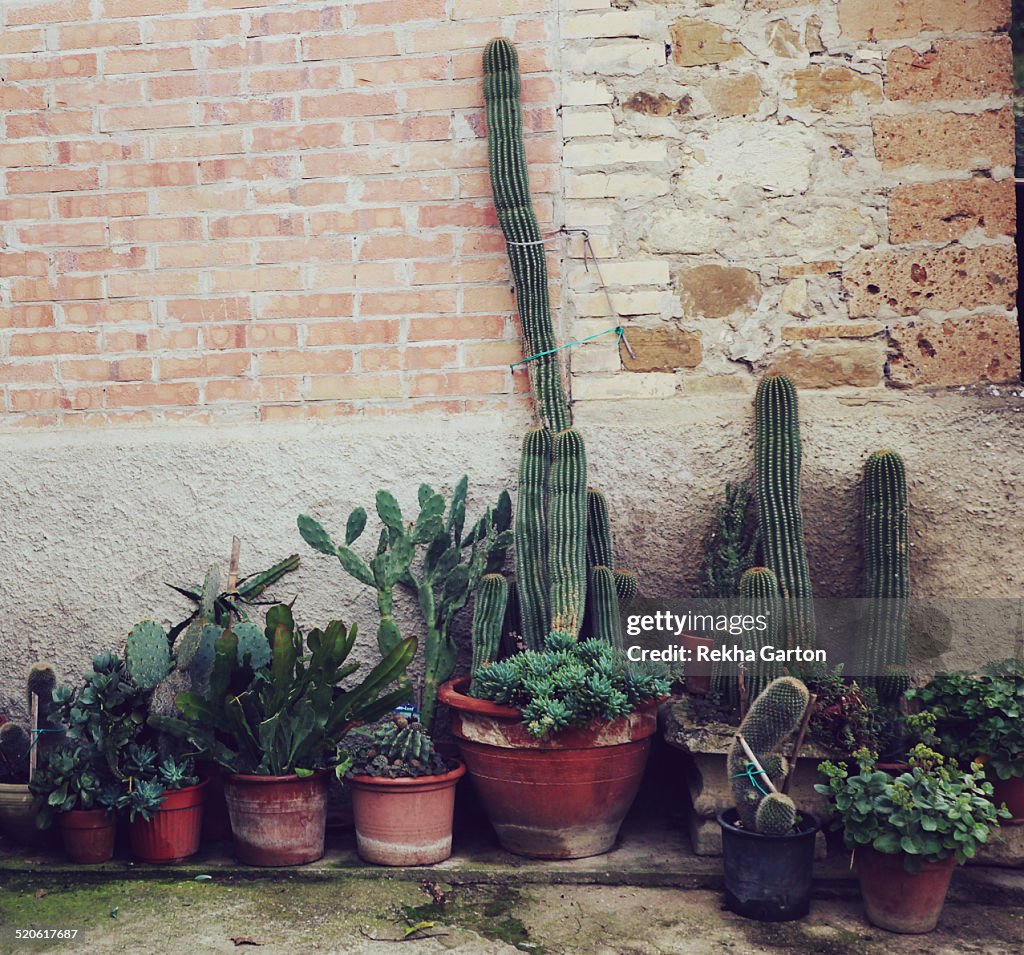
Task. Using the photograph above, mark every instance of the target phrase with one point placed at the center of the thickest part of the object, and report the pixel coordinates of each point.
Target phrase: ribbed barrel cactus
(777, 462)
(772, 718)
(887, 577)
(759, 596)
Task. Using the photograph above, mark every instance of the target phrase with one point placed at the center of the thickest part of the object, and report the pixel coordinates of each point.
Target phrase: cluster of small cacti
(566, 580)
(887, 578)
(399, 748)
(19, 741)
(772, 718)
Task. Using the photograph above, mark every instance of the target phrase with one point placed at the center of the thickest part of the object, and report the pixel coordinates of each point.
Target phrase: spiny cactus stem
(757, 763)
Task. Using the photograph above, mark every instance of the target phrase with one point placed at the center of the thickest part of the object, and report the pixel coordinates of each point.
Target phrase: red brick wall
(234, 210)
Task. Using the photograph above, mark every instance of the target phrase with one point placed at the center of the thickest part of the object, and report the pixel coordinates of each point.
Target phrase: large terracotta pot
(88, 834)
(404, 821)
(277, 820)
(559, 798)
(18, 808)
(897, 900)
(173, 833)
(1010, 791)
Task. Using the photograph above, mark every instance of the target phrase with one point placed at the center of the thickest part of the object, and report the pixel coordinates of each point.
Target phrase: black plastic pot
(768, 878)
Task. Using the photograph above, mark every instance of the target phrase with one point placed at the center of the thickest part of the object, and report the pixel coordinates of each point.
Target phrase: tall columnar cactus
(777, 475)
(603, 601)
(567, 532)
(531, 538)
(887, 578)
(488, 618)
(511, 186)
(770, 721)
(759, 595)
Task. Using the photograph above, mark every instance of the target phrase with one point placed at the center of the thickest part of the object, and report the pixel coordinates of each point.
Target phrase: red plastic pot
(562, 797)
(172, 834)
(1010, 791)
(88, 835)
(696, 673)
(404, 821)
(277, 820)
(900, 901)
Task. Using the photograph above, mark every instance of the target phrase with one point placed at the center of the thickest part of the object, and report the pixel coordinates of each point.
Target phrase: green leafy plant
(288, 714)
(569, 683)
(929, 813)
(847, 717)
(149, 780)
(398, 748)
(451, 565)
(730, 545)
(73, 777)
(979, 715)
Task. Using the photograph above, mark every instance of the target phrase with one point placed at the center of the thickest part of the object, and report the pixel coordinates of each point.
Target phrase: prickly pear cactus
(148, 654)
(252, 642)
(770, 721)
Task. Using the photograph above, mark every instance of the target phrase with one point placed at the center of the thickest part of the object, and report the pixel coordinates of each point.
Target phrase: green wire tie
(36, 733)
(750, 772)
(618, 329)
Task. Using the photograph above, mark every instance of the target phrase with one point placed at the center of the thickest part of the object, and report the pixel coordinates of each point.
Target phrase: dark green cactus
(488, 619)
(15, 743)
(776, 815)
(511, 186)
(567, 532)
(777, 473)
(772, 718)
(252, 643)
(405, 743)
(759, 594)
(603, 607)
(531, 538)
(16, 739)
(887, 578)
(600, 552)
(608, 588)
(626, 585)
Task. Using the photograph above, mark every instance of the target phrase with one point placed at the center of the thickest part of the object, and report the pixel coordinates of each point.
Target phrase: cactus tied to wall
(558, 525)
(887, 577)
(22, 744)
(777, 458)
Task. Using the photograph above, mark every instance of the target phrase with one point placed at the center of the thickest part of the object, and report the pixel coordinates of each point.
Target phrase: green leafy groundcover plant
(568, 684)
(979, 715)
(929, 813)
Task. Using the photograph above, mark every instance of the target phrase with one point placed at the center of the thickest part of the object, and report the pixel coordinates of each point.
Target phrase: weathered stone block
(624, 387)
(614, 23)
(802, 333)
(733, 95)
(661, 349)
(956, 352)
(783, 40)
(715, 291)
(775, 159)
(617, 57)
(946, 140)
(697, 42)
(651, 104)
(830, 88)
(953, 69)
(857, 365)
(944, 279)
(589, 123)
(605, 154)
(944, 211)
(870, 20)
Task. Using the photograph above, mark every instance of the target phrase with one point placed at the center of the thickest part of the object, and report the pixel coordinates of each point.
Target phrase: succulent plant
(772, 718)
(396, 749)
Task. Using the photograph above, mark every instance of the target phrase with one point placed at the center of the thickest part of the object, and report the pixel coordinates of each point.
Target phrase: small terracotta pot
(1010, 791)
(404, 821)
(277, 820)
(88, 834)
(562, 797)
(897, 900)
(696, 673)
(893, 769)
(174, 831)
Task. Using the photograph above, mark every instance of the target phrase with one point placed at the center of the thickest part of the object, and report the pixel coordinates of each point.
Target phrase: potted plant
(77, 790)
(909, 831)
(980, 717)
(165, 806)
(767, 844)
(21, 746)
(556, 741)
(403, 794)
(272, 715)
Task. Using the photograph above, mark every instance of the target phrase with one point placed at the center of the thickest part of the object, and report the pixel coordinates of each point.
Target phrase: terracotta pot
(173, 832)
(555, 798)
(18, 808)
(404, 821)
(216, 821)
(897, 900)
(696, 673)
(277, 820)
(893, 769)
(88, 834)
(1010, 791)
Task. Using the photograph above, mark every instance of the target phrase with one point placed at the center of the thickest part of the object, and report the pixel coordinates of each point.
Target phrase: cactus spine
(551, 517)
(488, 617)
(777, 474)
(887, 565)
(771, 719)
(759, 593)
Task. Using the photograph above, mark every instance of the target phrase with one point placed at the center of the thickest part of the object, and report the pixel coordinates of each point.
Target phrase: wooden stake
(757, 763)
(236, 550)
(798, 745)
(741, 678)
(33, 719)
